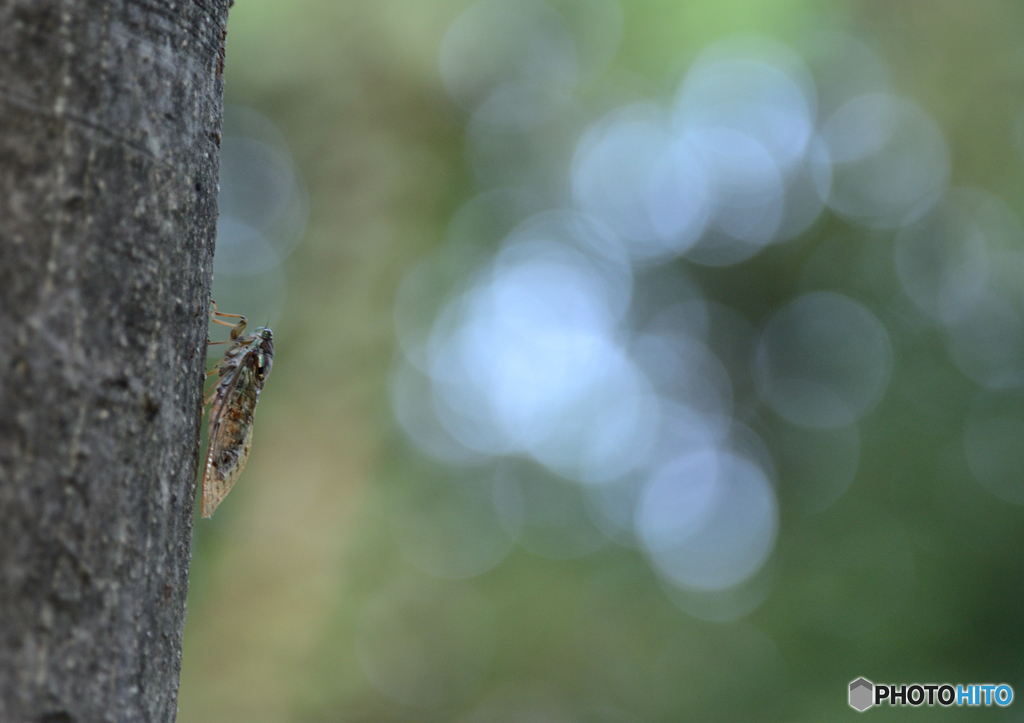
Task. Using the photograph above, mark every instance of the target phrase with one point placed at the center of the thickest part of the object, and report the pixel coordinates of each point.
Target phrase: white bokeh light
(646, 183)
(843, 68)
(708, 520)
(748, 192)
(889, 160)
(943, 259)
(569, 350)
(412, 402)
(754, 87)
(263, 205)
(526, 360)
(823, 361)
(987, 342)
(497, 41)
(521, 135)
(747, 108)
(262, 201)
(816, 466)
(685, 372)
(605, 253)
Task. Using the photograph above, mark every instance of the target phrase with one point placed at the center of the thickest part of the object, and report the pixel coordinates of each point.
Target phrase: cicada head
(265, 359)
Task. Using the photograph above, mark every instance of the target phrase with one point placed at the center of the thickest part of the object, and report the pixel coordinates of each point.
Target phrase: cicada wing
(218, 482)
(231, 418)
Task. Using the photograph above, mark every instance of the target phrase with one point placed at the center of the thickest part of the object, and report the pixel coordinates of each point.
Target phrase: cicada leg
(236, 328)
(213, 390)
(214, 370)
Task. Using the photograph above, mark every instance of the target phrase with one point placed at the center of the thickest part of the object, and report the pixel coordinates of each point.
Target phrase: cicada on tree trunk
(242, 372)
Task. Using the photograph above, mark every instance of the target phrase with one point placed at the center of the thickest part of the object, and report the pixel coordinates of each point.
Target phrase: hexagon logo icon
(862, 693)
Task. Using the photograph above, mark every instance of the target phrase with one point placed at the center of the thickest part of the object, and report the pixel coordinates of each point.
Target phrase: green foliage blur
(915, 575)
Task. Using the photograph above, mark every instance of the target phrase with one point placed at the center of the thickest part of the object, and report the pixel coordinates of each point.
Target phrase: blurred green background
(357, 575)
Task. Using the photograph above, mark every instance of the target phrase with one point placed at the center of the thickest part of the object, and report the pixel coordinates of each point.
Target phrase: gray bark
(110, 117)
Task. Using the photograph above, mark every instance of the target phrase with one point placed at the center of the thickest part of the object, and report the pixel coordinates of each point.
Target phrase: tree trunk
(110, 118)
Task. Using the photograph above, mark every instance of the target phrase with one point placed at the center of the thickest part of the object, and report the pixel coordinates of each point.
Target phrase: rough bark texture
(110, 117)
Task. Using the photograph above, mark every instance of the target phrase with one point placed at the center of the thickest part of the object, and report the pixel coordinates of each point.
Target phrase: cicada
(241, 375)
